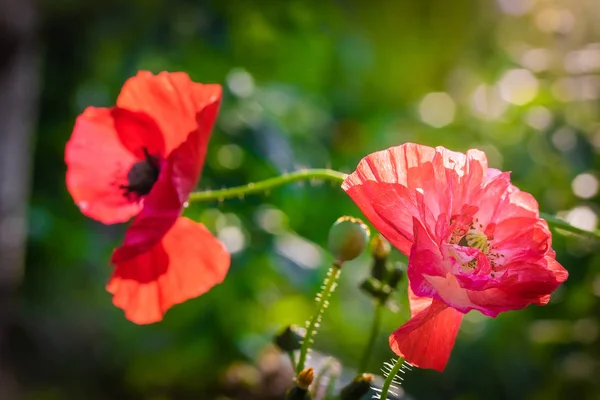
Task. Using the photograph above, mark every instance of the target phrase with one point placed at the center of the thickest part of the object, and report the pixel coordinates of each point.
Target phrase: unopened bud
(380, 250)
(381, 247)
(376, 288)
(305, 378)
(356, 389)
(300, 389)
(347, 239)
(290, 338)
(395, 276)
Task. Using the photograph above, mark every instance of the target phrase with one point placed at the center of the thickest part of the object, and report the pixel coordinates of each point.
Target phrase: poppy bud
(395, 276)
(347, 239)
(305, 378)
(380, 251)
(300, 390)
(356, 389)
(381, 247)
(290, 338)
(376, 288)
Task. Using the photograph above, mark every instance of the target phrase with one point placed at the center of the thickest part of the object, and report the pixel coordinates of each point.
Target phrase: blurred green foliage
(315, 83)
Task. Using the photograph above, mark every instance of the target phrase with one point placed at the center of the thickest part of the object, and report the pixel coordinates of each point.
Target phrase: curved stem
(557, 223)
(375, 325)
(322, 301)
(267, 184)
(390, 378)
(335, 176)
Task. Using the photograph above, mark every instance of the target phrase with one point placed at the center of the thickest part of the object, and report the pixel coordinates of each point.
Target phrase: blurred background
(307, 84)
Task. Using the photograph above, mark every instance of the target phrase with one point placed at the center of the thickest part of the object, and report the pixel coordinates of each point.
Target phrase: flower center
(476, 239)
(142, 176)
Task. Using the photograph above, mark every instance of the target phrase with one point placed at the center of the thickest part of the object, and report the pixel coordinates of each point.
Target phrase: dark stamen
(142, 176)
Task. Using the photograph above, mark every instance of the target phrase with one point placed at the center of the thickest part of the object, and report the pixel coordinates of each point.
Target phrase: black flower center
(142, 176)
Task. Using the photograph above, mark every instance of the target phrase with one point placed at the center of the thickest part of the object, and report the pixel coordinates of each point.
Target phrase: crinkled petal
(427, 339)
(174, 102)
(98, 160)
(186, 263)
(425, 261)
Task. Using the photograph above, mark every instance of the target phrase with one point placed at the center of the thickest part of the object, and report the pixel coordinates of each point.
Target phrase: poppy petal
(163, 205)
(186, 263)
(427, 339)
(173, 101)
(97, 163)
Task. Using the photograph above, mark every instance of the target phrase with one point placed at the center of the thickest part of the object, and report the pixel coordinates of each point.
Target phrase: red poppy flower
(474, 241)
(142, 158)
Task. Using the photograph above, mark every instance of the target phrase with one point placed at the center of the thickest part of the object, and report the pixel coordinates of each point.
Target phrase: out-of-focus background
(307, 84)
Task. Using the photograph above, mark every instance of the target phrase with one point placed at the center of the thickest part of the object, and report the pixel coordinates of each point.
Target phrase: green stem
(338, 177)
(375, 325)
(322, 303)
(390, 378)
(268, 184)
(292, 358)
(558, 223)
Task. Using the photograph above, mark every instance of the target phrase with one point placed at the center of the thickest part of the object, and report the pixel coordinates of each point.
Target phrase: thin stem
(322, 303)
(338, 177)
(375, 325)
(390, 378)
(267, 184)
(292, 358)
(558, 223)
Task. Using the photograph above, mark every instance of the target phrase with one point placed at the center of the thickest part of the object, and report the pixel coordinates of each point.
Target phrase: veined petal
(174, 102)
(184, 264)
(427, 339)
(98, 162)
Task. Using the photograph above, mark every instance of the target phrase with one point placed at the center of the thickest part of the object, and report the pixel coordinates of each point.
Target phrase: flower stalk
(267, 184)
(375, 325)
(391, 378)
(322, 300)
(337, 177)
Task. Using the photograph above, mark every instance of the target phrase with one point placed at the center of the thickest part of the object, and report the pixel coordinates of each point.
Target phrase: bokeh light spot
(518, 86)
(233, 238)
(240, 82)
(536, 59)
(555, 20)
(538, 117)
(230, 156)
(564, 139)
(437, 109)
(516, 7)
(582, 217)
(487, 102)
(585, 186)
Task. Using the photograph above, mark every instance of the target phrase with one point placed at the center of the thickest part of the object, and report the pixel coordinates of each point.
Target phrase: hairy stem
(267, 184)
(390, 378)
(335, 176)
(375, 325)
(322, 303)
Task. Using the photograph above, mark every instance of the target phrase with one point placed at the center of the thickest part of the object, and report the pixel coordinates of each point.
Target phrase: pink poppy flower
(142, 158)
(474, 241)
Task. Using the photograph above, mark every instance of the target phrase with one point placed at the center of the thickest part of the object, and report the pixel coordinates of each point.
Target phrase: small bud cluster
(385, 276)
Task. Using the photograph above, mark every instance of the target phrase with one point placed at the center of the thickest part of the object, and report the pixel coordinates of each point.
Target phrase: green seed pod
(347, 239)
(290, 338)
(356, 389)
